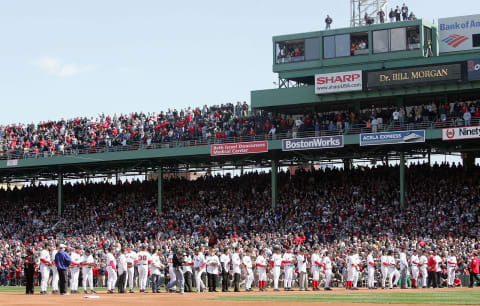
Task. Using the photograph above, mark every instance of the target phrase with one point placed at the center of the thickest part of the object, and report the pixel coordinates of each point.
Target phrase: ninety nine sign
(338, 82)
(312, 143)
(414, 76)
(239, 148)
(469, 132)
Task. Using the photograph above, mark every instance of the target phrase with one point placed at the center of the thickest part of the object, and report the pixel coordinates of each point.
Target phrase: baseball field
(459, 296)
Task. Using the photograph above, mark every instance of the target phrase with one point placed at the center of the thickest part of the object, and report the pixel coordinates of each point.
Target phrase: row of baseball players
(120, 262)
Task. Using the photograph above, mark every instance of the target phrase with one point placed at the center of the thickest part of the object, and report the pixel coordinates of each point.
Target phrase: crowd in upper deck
(216, 123)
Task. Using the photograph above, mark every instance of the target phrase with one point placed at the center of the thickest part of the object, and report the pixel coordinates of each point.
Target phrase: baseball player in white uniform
(276, 263)
(261, 264)
(144, 260)
(156, 269)
(423, 268)
(111, 270)
(199, 265)
(451, 266)
(236, 269)
(247, 264)
(45, 264)
(171, 270)
(132, 258)
(391, 269)
(384, 267)
(327, 267)
(87, 271)
(213, 264)
(355, 263)
(76, 257)
(225, 263)
(302, 270)
(414, 263)
(288, 262)
(317, 264)
(55, 276)
(371, 270)
(122, 268)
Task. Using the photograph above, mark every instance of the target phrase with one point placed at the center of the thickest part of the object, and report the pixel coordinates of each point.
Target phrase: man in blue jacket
(62, 260)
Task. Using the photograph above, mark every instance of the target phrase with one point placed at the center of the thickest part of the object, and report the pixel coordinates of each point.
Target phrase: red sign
(239, 148)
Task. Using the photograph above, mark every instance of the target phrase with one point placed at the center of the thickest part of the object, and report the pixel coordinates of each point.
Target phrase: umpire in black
(29, 263)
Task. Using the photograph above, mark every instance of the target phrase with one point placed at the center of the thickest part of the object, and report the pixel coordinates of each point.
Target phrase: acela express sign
(412, 76)
(239, 148)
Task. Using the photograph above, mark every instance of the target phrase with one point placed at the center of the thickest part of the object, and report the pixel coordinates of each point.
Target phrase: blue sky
(62, 59)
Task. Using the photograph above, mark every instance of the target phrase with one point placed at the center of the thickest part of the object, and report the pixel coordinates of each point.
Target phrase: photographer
(177, 262)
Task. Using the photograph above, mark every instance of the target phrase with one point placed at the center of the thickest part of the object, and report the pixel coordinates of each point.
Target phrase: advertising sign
(459, 133)
(12, 162)
(312, 143)
(473, 70)
(414, 76)
(239, 148)
(459, 33)
(377, 139)
(338, 82)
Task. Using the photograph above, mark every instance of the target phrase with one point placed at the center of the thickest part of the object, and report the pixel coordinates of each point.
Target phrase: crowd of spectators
(336, 209)
(215, 124)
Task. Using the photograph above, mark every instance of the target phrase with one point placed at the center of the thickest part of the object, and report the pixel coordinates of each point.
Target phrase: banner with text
(312, 143)
(459, 33)
(414, 76)
(377, 139)
(239, 148)
(338, 82)
(473, 69)
(459, 133)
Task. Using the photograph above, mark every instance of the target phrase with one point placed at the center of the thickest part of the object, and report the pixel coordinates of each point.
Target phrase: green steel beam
(274, 183)
(60, 195)
(298, 96)
(160, 189)
(402, 180)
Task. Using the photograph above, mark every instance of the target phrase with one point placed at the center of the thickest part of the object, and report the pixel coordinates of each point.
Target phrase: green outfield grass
(450, 297)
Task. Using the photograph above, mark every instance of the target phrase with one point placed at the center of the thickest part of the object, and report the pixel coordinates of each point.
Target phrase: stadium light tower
(358, 8)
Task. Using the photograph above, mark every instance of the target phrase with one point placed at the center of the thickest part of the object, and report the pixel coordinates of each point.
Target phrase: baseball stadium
(354, 181)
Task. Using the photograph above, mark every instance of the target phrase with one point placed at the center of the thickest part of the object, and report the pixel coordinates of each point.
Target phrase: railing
(203, 141)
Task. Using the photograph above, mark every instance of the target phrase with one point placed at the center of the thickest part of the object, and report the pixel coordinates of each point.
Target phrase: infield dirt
(162, 299)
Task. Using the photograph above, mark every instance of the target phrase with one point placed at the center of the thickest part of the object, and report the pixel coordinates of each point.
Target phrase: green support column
(160, 189)
(402, 180)
(59, 187)
(274, 183)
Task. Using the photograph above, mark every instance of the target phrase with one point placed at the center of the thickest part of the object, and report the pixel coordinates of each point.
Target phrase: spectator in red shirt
(474, 269)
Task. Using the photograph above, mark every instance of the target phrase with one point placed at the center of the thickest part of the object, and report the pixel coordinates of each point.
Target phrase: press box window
(381, 41)
(290, 51)
(398, 39)
(413, 38)
(312, 49)
(359, 43)
(345, 45)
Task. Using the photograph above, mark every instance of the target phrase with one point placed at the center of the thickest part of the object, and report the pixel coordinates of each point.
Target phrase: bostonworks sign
(239, 148)
(338, 82)
(470, 132)
(473, 69)
(312, 143)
